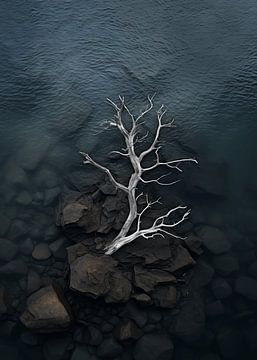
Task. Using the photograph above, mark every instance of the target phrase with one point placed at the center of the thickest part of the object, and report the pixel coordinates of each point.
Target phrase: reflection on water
(58, 64)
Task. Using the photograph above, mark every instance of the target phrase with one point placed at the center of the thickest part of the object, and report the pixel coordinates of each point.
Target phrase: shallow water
(59, 63)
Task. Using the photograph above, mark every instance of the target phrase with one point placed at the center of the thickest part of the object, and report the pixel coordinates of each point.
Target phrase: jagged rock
(152, 251)
(180, 259)
(193, 243)
(8, 250)
(214, 239)
(14, 268)
(165, 296)
(189, 324)
(127, 331)
(147, 279)
(47, 311)
(98, 276)
(76, 209)
(153, 347)
(41, 252)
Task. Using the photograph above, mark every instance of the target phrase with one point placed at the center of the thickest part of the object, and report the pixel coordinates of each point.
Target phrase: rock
(93, 336)
(154, 316)
(81, 353)
(46, 178)
(213, 239)
(151, 250)
(26, 247)
(142, 298)
(33, 152)
(221, 288)
(55, 348)
(189, 324)
(99, 276)
(51, 233)
(24, 198)
(41, 252)
(33, 281)
(57, 248)
(247, 287)
(4, 224)
(165, 296)
(137, 314)
(77, 209)
(225, 264)
(18, 229)
(180, 259)
(51, 194)
(15, 175)
(8, 250)
(3, 305)
(153, 347)
(193, 244)
(147, 279)
(108, 189)
(29, 338)
(202, 274)
(109, 349)
(230, 344)
(47, 311)
(214, 309)
(14, 268)
(127, 331)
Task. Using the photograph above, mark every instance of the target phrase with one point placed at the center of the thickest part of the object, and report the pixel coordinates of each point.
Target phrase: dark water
(59, 62)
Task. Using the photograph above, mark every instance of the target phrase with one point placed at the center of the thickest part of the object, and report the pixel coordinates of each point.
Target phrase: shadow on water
(58, 64)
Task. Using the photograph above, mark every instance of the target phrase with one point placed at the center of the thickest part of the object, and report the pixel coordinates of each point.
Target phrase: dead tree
(130, 131)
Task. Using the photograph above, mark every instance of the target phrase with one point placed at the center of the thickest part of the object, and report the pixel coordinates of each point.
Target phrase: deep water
(60, 60)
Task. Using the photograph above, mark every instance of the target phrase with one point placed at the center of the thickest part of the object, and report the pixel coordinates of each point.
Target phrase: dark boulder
(47, 311)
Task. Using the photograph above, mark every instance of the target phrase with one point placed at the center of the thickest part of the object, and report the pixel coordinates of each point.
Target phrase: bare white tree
(130, 129)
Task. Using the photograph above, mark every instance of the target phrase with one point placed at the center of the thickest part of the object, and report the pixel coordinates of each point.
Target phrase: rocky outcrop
(47, 311)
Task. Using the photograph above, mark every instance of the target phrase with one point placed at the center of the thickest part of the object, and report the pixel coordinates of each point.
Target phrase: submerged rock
(47, 311)
(8, 250)
(14, 268)
(127, 331)
(153, 347)
(214, 239)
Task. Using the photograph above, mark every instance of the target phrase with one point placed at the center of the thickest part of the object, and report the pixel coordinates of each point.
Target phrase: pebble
(247, 287)
(14, 267)
(4, 224)
(26, 247)
(225, 264)
(214, 239)
(41, 252)
(8, 250)
(221, 288)
(24, 198)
